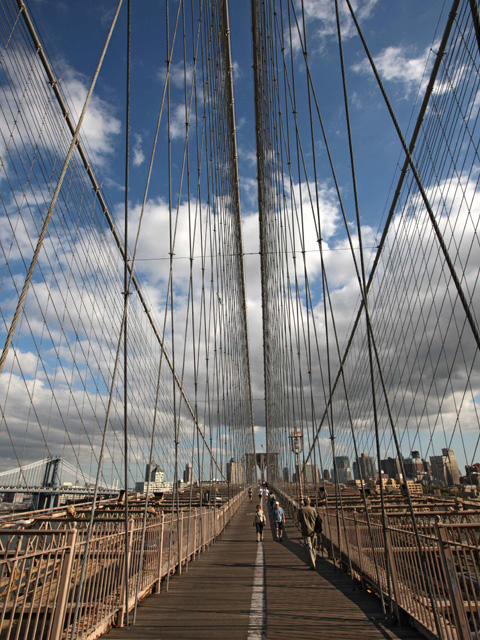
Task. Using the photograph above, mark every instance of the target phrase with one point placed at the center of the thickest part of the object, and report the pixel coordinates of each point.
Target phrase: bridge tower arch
(267, 463)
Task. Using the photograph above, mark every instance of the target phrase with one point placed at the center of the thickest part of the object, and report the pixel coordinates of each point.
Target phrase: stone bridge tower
(265, 461)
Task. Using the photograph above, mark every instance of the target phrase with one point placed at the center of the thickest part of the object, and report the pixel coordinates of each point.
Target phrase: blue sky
(400, 35)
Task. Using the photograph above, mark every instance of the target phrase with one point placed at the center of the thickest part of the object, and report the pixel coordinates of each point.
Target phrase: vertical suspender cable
(126, 293)
(261, 204)
(169, 150)
(365, 301)
(237, 209)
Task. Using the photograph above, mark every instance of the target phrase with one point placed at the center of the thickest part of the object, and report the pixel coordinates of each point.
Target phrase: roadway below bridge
(241, 589)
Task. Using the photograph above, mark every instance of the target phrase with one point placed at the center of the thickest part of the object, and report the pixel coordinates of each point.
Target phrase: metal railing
(441, 595)
(40, 570)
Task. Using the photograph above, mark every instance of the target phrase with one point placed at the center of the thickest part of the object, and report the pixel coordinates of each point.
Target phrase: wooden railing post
(451, 582)
(393, 573)
(195, 523)
(180, 544)
(124, 590)
(359, 548)
(160, 555)
(64, 586)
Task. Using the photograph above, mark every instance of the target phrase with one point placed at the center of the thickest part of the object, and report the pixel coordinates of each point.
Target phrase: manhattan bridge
(134, 349)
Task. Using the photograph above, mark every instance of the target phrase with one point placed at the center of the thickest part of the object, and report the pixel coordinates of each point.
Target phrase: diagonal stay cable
(365, 299)
(416, 132)
(51, 208)
(126, 293)
(418, 180)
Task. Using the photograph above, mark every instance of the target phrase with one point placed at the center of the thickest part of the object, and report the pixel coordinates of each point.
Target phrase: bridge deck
(214, 599)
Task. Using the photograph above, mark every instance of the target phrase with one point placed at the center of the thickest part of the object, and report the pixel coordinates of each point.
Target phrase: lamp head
(296, 440)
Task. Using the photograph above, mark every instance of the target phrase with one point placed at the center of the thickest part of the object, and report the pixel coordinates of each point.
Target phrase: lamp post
(296, 444)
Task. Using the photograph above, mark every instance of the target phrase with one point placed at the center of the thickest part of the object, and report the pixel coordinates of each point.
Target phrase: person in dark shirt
(272, 502)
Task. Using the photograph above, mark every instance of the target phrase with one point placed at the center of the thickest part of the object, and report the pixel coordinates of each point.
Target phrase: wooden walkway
(214, 600)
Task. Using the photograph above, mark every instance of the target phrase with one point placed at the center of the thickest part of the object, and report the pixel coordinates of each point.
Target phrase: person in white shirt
(259, 522)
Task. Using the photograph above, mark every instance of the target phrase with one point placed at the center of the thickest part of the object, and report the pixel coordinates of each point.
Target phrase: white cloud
(473, 110)
(249, 191)
(178, 118)
(394, 64)
(40, 125)
(322, 12)
(138, 155)
(179, 74)
(100, 126)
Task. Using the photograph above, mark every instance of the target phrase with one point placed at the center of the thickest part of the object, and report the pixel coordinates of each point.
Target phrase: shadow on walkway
(324, 603)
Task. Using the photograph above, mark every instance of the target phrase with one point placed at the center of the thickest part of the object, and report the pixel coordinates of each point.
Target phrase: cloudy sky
(401, 36)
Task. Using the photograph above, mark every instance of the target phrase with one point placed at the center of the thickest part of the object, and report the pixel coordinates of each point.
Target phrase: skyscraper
(235, 473)
(344, 472)
(391, 466)
(445, 468)
(188, 473)
(365, 468)
(311, 474)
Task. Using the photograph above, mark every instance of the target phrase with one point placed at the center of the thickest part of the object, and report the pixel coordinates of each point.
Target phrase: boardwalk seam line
(257, 621)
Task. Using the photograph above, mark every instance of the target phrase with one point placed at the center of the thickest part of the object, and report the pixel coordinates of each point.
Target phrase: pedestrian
(260, 493)
(318, 532)
(265, 493)
(279, 519)
(250, 493)
(259, 522)
(272, 502)
(307, 516)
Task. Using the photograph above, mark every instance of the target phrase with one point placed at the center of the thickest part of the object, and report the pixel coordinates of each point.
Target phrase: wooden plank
(213, 599)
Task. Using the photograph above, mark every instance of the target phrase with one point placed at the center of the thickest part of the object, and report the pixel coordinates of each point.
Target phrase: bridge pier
(44, 500)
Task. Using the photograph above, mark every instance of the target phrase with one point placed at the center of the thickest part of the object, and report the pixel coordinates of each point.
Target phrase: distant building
(391, 466)
(453, 472)
(344, 475)
(286, 474)
(311, 474)
(188, 474)
(470, 491)
(414, 466)
(415, 488)
(344, 471)
(445, 469)
(472, 475)
(157, 481)
(342, 462)
(365, 469)
(235, 473)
